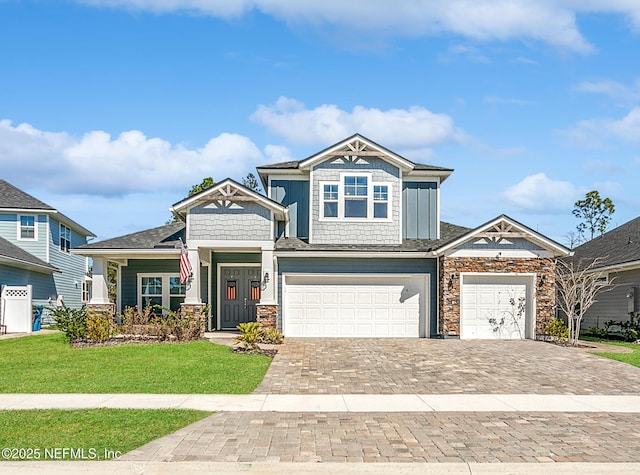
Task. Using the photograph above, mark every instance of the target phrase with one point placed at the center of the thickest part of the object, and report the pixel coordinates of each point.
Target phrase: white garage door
(354, 306)
(494, 307)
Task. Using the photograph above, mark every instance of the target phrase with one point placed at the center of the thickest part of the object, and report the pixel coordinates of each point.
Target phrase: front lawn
(92, 434)
(48, 364)
(629, 358)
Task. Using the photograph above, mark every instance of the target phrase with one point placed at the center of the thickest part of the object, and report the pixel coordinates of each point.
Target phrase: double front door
(240, 289)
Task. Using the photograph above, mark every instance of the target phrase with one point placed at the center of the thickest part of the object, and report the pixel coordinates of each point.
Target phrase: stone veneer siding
(267, 316)
(197, 311)
(545, 291)
(242, 220)
(354, 231)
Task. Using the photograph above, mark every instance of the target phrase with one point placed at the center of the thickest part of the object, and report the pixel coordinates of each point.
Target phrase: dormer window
(355, 197)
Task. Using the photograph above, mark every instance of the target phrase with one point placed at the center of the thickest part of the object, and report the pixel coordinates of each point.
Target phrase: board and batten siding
(315, 265)
(243, 220)
(419, 210)
(9, 231)
(129, 275)
(73, 267)
(612, 304)
(357, 231)
(293, 194)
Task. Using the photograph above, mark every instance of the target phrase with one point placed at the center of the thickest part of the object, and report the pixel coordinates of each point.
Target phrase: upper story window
(355, 196)
(27, 228)
(65, 238)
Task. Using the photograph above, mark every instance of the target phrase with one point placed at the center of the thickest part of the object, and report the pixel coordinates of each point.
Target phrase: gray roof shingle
(618, 246)
(12, 197)
(15, 253)
(162, 237)
(448, 232)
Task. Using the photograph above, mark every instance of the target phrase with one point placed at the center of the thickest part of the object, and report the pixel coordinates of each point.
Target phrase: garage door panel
(355, 306)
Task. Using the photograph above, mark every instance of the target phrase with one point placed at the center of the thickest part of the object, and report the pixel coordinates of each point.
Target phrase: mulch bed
(270, 352)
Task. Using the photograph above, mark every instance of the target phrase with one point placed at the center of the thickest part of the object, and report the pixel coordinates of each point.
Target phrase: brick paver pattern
(423, 366)
(401, 437)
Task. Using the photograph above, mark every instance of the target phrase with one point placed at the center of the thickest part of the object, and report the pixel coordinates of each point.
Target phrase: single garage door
(495, 307)
(355, 306)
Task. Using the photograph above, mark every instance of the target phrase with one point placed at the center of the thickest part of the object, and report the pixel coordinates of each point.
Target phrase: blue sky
(110, 109)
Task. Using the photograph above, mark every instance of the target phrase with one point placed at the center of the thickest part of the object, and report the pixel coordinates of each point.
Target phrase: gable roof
(620, 246)
(350, 146)
(165, 237)
(14, 199)
(14, 256)
(528, 233)
(230, 190)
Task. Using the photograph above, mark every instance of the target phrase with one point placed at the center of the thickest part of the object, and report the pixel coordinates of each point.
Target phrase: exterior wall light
(266, 278)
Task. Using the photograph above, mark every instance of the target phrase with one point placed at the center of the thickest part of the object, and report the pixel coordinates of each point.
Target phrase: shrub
(249, 335)
(100, 327)
(271, 336)
(73, 322)
(598, 332)
(557, 330)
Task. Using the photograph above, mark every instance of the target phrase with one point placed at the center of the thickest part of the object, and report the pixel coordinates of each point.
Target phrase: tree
(594, 212)
(251, 182)
(578, 285)
(195, 189)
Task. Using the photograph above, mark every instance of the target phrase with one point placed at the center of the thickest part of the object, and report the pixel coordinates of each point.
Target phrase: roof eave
(45, 269)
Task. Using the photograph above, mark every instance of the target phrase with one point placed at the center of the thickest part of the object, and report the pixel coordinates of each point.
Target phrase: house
(345, 243)
(35, 244)
(618, 254)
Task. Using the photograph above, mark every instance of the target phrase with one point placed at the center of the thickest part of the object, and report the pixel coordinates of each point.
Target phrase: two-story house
(35, 244)
(346, 243)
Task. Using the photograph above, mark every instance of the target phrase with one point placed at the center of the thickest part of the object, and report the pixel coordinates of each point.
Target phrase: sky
(110, 110)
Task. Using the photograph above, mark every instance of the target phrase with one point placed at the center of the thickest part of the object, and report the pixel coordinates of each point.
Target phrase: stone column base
(101, 308)
(267, 316)
(195, 309)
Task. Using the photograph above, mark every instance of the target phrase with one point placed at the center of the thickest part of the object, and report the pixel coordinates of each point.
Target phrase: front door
(239, 293)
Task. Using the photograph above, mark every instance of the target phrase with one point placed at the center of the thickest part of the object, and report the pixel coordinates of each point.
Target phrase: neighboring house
(35, 244)
(618, 254)
(346, 243)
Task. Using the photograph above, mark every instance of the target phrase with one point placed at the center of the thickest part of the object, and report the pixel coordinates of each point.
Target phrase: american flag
(185, 265)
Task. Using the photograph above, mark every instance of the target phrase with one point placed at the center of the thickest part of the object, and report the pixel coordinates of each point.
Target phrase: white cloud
(549, 21)
(613, 89)
(277, 153)
(98, 163)
(411, 128)
(538, 193)
(592, 131)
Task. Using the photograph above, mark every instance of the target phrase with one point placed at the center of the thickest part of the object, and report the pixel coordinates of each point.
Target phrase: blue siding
(419, 210)
(295, 195)
(43, 285)
(9, 231)
(319, 265)
(73, 267)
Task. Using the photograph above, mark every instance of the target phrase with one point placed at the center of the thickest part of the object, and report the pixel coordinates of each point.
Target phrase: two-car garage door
(355, 306)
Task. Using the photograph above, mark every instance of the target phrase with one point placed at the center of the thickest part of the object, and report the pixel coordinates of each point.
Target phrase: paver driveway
(409, 366)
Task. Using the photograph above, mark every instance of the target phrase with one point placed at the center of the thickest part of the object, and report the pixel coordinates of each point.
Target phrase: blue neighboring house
(345, 243)
(35, 244)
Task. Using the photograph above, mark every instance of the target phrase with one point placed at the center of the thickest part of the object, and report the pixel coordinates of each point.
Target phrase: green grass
(629, 358)
(92, 434)
(48, 364)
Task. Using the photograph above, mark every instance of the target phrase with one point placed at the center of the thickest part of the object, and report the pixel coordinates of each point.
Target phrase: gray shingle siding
(356, 232)
(243, 220)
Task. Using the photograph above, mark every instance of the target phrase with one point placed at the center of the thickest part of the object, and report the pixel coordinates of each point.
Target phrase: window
(86, 291)
(355, 196)
(27, 228)
(65, 238)
(380, 201)
(163, 290)
(330, 201)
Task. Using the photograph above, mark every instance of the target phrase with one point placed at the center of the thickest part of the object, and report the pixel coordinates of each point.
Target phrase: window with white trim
(355, 197)
(27, 228)
(162, 290)
(86, 291)
(65, 238)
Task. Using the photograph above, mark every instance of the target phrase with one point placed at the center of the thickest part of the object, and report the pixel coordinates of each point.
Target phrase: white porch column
(100, 291)
(268, 288)
(193, 294)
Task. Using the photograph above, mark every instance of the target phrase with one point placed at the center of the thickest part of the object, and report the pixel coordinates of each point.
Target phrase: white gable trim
(385, 154)
(191, 201)
(554, 248)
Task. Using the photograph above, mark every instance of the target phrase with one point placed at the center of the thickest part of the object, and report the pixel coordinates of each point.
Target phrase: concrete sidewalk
(221, 468)
(331, 403)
